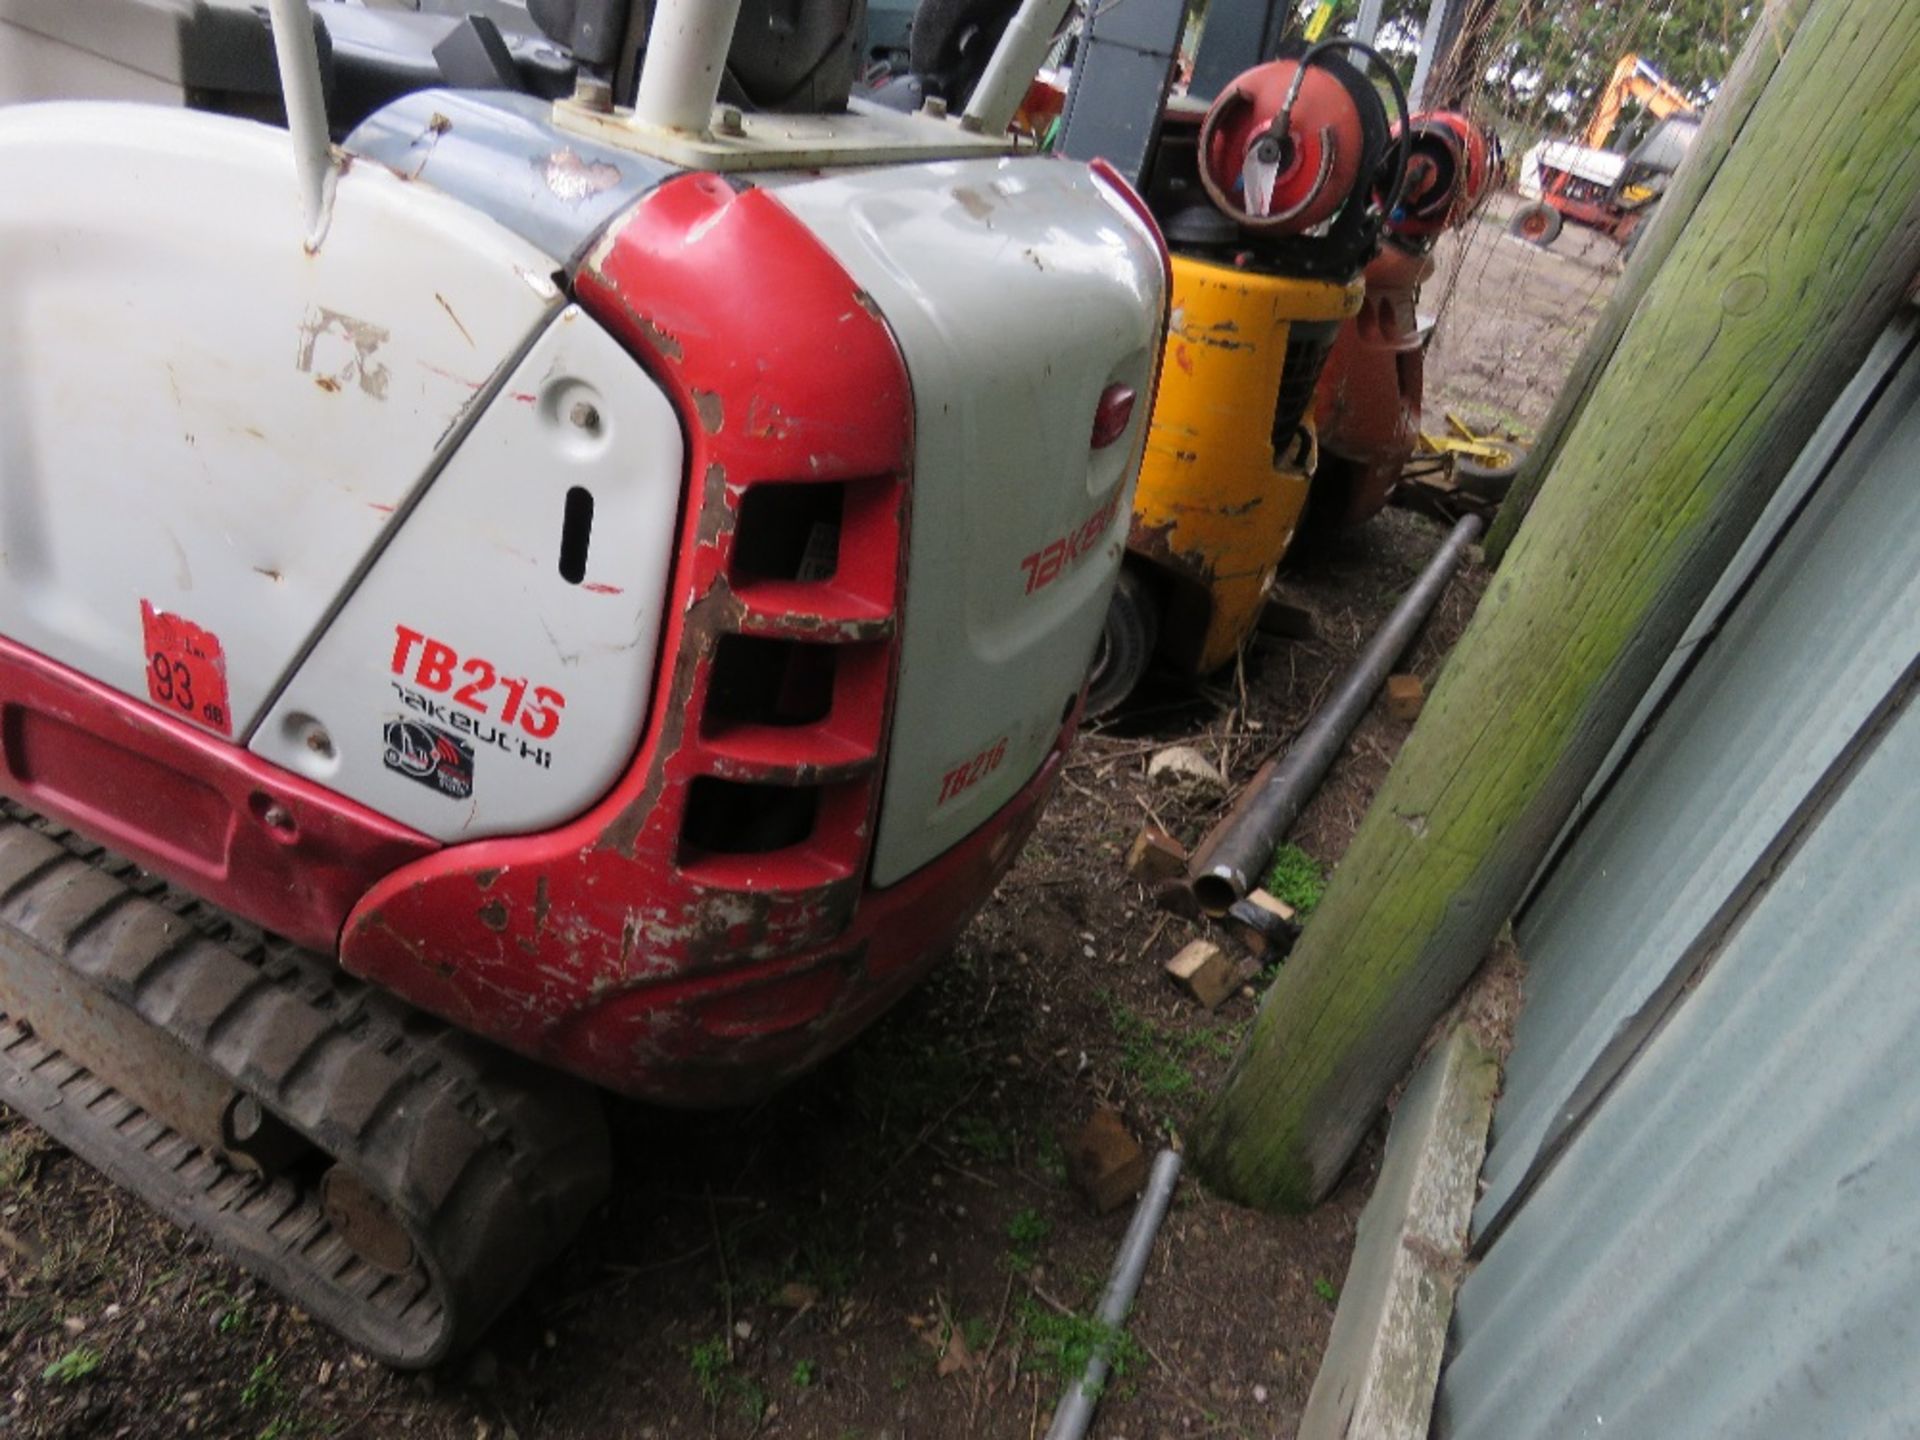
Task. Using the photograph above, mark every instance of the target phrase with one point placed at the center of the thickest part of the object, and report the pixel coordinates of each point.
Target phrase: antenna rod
(306, 102)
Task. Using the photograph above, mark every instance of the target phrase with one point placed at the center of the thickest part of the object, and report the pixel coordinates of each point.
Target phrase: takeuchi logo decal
(436, 759)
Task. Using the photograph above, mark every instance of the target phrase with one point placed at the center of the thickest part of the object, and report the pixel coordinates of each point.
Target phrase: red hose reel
(1283, 148)
(1451, 166)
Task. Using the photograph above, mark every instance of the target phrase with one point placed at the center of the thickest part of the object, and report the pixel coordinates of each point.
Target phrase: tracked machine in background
(1272, 199)
(510, 596)
(1367, 408)
(1604, 189)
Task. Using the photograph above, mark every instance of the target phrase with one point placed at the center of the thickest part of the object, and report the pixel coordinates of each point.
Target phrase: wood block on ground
(1290, 622)
(1156, 856)
(1106, 1163)
(1272, 904)
(1263, 924)
(1203, 972)
(1405, 696)
(1382, 1362)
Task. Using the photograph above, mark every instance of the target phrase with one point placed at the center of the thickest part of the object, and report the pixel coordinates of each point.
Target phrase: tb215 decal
(482, 709)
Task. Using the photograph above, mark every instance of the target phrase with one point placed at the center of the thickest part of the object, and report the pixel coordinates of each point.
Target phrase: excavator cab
(1651, 163)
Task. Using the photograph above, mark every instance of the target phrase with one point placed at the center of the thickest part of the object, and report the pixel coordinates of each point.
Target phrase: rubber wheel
(1488, 482)
(1537, 224)
(1126, 645)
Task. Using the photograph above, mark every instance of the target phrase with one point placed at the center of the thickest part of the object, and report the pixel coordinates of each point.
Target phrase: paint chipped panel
(501, 155)
(341, 352)
(634, 945)
(478, 681)
(309, 402)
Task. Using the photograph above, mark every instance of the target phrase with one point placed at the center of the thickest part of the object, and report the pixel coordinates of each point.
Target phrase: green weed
(1060, 1345)
(1026, 1231)
(1326, 1289)
(804, 1374)
(981, 1137)
(72, 1367)
(263, 1387)
(1296, 878)
(710, 1363)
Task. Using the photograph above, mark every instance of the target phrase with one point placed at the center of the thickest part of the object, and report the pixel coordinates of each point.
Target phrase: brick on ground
(1106, 1163)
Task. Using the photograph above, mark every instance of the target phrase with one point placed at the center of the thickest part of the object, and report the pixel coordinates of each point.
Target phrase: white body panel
(199, 414)
(475, 568)
(1018, 290)
(1600, 167)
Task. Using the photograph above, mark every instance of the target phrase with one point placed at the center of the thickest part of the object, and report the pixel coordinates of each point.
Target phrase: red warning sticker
(186, 669)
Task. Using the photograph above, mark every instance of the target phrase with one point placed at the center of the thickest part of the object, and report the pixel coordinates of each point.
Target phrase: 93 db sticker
(424, 753)
(186, 669)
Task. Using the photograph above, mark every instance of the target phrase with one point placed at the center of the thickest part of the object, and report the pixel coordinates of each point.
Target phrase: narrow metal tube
(1075, 1411)
(300, 85)
(1229, 861)
(686, 53)
(1015, 61)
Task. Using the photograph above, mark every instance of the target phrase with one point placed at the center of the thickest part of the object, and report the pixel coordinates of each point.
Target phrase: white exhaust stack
(686, 53)
(1016, 60)
(306, 102)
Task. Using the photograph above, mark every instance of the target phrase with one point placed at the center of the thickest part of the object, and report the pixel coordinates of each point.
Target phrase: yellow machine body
(1217, 504)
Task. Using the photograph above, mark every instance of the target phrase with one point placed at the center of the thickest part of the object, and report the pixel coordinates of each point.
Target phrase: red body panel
(269, 846)
(618, 947)
(1571, 196)
(1367, 404)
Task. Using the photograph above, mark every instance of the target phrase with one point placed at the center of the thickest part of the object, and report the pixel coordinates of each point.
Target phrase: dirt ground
(1512, 319)
(890, 1248)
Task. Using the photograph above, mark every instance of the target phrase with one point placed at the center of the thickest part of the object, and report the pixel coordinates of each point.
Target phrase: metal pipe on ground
(1230, 861)
(1074, 1413)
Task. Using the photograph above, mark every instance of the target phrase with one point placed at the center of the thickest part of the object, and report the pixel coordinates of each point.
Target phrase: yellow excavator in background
(1634, 79)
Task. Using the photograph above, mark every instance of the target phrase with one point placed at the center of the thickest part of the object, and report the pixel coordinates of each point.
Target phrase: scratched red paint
(616, 946)
(186, 669)
(600, 587)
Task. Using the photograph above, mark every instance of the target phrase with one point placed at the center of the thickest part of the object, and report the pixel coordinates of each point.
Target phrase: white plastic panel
(200, 417)
(469, 687)
(1018, 290)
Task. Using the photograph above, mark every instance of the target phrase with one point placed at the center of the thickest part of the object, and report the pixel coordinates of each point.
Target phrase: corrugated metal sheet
(1703, 1206)
(1685, 832)
(1731, 1248)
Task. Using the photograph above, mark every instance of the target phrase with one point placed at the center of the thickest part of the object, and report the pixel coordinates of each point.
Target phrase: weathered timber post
(1801, 248)
(1743, 87)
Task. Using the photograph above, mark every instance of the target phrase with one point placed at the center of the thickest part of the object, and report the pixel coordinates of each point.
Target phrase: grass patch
(1296, 878)
(1060, 1345)
(1326, 1289)
(1158, 1059)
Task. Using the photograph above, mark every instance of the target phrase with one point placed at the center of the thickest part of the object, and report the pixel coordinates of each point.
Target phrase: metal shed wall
(1702, 1215)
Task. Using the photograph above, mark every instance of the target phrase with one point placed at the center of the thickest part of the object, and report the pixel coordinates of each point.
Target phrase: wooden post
(1802, 247)
(1672, 216)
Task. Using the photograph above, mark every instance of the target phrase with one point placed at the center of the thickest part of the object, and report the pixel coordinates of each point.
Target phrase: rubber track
(492, 1163)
